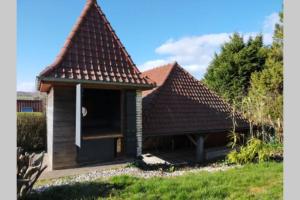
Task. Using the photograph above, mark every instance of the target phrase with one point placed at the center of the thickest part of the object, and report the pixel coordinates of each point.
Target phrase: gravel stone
(132, 171)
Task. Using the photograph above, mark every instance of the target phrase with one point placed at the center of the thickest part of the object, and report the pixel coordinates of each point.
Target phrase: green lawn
(255, 181)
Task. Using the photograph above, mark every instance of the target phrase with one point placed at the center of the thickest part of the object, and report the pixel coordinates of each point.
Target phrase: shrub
(31, 131)
(29, 168)
(256, 151)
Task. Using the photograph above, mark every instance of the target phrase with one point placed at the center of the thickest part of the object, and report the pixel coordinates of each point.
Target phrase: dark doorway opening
(101, 130)
(103, 112)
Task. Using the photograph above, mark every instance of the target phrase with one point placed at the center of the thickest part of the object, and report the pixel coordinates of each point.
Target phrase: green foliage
(31, 131)
(29, 169)
(253, 181)
(255, 151)
(230, 71)
(171, 169)
(249, 76)
(266, 91)
(235, 139)
(267, 88)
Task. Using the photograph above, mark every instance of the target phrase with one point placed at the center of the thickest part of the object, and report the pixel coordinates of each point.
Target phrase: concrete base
(50, 174)
(151, 159)
(216, 152)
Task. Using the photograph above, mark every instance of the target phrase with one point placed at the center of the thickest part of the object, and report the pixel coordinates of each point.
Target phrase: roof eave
(37, 83)
(41, 79)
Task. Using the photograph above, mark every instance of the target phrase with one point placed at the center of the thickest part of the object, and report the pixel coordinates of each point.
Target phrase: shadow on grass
(86, 190)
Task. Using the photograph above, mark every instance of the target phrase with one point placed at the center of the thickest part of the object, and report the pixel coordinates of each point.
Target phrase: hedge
(31, 131)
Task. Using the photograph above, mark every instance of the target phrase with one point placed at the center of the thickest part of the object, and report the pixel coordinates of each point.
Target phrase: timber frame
(61, 111)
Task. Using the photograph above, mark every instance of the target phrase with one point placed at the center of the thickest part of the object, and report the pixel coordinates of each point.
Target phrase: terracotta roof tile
(158, 75)
(94, 52)
(181, 104)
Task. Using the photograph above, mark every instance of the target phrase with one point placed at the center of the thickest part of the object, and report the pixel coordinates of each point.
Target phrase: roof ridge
(203, 85)
(185, 104)
(161, 66)
(93, 52)
(62, 53)
(91, 1)
(206, 87)
(67, 43)
(172, 65)
(214, 93)
(158, 87)
(175, 64)
(107, 23)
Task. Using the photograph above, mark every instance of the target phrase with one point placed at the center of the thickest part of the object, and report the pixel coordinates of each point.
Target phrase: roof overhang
(44, 84)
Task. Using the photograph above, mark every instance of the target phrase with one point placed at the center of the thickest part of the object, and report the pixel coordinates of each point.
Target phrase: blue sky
(154, 32)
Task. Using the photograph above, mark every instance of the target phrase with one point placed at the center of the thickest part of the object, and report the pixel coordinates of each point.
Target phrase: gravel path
(133, 171)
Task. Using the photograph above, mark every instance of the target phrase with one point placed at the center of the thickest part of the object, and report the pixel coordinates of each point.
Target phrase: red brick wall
(37, 105)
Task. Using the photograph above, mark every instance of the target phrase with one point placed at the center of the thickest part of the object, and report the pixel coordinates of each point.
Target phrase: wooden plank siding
(36, 105)
(61, 108)
(64, 148)
(130, 124)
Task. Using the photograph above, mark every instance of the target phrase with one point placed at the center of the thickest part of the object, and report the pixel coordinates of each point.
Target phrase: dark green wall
(130, 123)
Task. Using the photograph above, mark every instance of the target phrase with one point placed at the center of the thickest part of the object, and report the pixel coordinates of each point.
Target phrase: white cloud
(269, 27)
(194, 53)
(26, 87)
(153, 63)
(268, 38)
(188, 45)
(269, 23)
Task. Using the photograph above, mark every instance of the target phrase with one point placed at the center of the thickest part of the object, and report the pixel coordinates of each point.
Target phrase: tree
(267, 86)
(230, 71)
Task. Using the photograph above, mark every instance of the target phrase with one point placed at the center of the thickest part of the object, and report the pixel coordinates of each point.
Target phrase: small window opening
(27, 109)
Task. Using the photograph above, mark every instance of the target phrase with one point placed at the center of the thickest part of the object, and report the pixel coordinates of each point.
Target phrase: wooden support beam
(102, 136)
(192, 139)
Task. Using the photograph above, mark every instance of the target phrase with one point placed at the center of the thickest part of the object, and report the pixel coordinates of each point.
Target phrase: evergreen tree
(267, 85)
(230, 71)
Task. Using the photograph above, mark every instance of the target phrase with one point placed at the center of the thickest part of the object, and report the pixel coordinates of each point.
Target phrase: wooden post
(78, 116)
(131, 136)
(49, 112)
(122, 119)
(139, 131)
(200, 149)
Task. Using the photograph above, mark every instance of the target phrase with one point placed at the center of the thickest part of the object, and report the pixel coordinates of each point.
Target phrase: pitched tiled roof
(158, 75)
(181, 104)
(93, 52)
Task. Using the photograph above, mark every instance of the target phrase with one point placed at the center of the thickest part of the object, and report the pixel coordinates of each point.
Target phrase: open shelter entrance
(101, 125)
(101, 111)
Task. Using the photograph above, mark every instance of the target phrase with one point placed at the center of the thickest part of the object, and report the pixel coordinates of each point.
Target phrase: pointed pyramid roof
(93, 54)
(180, 104)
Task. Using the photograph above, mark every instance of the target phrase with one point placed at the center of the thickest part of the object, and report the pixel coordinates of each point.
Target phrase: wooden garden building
(94, 96)
(181, 110)
(100, 107)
